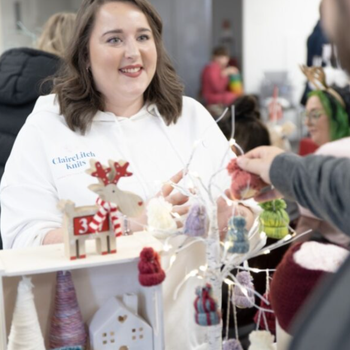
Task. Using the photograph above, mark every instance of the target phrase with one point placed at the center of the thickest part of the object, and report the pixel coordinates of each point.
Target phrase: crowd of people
(100, 85)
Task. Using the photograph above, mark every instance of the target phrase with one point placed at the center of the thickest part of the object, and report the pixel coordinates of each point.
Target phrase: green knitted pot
(274, 220)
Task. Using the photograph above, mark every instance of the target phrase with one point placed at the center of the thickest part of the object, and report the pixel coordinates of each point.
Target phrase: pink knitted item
(150, 270)
(243, 184)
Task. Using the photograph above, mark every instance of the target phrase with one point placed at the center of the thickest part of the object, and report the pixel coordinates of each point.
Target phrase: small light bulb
(267, 251)
(228, 282)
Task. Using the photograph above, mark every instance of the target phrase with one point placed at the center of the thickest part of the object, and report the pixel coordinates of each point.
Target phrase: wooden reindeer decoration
(100, 221)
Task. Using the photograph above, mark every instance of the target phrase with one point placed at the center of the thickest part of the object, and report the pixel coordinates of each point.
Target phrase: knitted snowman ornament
(237, 235)
(274, 220)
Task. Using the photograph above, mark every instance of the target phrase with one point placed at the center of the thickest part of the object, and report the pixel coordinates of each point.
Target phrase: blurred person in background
(22, 71)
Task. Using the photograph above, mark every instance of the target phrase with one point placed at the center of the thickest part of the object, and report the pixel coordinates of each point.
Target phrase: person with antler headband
(327, 108)
(327, 120)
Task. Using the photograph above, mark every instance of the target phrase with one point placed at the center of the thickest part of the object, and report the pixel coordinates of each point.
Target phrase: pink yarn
(243, 184)
(67, 326)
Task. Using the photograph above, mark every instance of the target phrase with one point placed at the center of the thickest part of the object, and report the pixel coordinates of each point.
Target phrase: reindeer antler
(119, 170)
(99, 171)
(317, 78)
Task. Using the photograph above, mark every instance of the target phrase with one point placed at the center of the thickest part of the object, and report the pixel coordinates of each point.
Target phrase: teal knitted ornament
(237, 235)
(274, 220)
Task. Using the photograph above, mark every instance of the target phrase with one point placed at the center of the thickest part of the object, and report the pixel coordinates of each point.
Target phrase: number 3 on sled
(76, 226)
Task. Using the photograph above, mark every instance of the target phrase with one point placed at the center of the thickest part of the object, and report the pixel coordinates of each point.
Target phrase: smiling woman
(118, 97)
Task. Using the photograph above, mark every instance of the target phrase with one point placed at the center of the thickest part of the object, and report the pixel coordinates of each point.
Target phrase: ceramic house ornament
(25, 333)
(101, 221)
(117, 325)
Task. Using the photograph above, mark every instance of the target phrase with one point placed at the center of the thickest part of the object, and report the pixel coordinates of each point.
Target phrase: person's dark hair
(220, 51)
(78, 98)
(250, 131)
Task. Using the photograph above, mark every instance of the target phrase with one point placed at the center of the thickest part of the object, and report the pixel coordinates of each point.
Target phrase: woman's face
(123, 55)
(317, 121)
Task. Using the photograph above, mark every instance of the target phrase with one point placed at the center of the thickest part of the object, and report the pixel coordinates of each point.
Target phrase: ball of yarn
(274, 220)
(231, 344)
(261, 340)
(243, 299)
(237, 235)
(150, 270)
(197, 221)
(244, 185)
(25, 333)
(67, 326)
(159, 217)
(206, 307)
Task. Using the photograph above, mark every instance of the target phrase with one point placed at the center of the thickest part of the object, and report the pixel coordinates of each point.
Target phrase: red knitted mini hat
(244, 185)
(150, 270)
(290, 287)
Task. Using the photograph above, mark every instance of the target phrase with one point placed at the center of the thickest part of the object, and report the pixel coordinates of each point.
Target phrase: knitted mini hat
(244, 185)
(231, 344)
(299, 272)
(197, 221)
(261, 340)
(150, 270)
(244, 299)
(207, 312)
(274, 220)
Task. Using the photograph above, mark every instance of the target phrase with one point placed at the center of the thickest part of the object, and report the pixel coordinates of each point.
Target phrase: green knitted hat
(274, 220)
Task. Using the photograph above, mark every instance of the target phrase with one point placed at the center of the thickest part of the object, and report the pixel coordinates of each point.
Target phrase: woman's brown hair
(78, 97)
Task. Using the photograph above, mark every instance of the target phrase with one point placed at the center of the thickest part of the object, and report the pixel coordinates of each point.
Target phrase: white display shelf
(96, 278)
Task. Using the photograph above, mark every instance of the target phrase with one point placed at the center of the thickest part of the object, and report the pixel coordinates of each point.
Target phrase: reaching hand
(258, 161)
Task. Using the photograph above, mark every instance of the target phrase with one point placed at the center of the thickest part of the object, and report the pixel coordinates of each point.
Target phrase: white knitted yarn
(261, 340)
(25, 331)
(319, 256)
(159, 217)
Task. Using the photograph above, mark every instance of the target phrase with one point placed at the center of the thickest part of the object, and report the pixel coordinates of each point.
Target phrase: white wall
(231, 10)
(274, 38)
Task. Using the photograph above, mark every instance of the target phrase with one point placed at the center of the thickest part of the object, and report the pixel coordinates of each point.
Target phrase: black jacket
(21, 73)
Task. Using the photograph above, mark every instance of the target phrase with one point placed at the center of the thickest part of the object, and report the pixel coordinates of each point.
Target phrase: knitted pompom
(231, 344)
(237, 235)
(261, 340)
(197, 221)
(243, 299)
(150, 270)
(274, 220)
(244, 185)
(159, 217)
(260, 316)
(206, 307)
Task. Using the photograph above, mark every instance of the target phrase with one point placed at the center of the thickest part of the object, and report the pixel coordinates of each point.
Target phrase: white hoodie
(48, 161)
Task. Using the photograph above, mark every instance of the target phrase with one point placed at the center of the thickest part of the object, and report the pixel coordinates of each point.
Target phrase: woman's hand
(178, 201)
(53, 237)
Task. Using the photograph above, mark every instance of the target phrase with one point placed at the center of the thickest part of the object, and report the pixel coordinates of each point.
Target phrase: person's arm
(321, 184)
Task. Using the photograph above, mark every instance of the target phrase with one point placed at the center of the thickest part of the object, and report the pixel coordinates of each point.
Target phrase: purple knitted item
(239, 298)
(196, 222)
(231, 344)
(67, 326)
